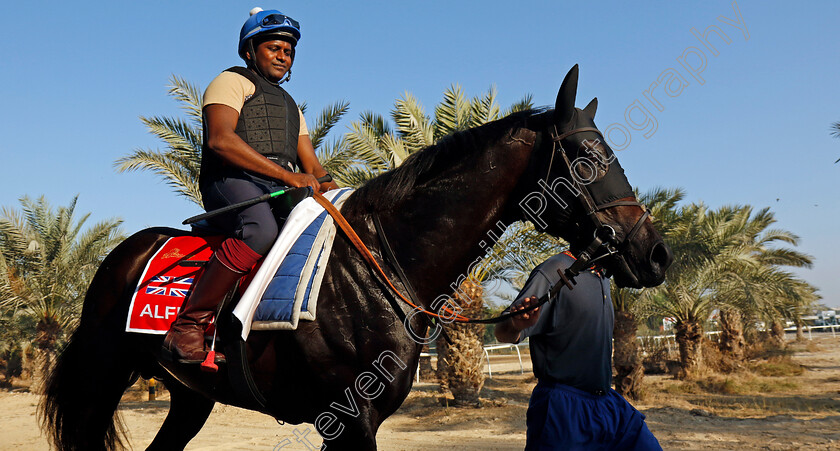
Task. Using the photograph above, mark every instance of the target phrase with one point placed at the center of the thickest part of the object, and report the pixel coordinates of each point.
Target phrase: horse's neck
(454, 220)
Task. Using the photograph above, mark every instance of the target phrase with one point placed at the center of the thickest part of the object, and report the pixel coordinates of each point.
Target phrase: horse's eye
(596, 153)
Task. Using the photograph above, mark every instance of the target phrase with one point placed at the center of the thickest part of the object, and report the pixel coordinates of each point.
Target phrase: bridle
(605, 243)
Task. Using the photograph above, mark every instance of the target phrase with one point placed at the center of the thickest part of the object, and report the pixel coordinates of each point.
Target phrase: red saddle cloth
(166, 281)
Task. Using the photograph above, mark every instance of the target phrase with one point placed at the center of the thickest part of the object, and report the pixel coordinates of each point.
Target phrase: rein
(604, 244)
(371, 260)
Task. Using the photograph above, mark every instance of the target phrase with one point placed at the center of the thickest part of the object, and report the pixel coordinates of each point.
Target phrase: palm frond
(355, 176)
(484, 109)
(524, 104)
(329, 116)
(396, 149)
(413, 126)
(189, 95)
(366, 145)
(452, 114)
(182, 179)
(376, 122)
(182, 141)
(336, 156)
(785, 257)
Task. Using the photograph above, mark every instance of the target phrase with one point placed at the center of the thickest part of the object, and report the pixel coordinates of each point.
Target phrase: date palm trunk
(626, 357)
(689, 336)
(732, 334)
(426, 371)
(47, 331)
(777, 334)
(460, 366)
(800, 332)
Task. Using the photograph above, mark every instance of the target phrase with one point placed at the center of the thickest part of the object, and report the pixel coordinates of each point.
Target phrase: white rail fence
(487, 350)
(833, 328)
(669, 341)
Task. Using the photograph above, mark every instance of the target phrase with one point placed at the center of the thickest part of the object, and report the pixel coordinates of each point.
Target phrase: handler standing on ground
(573, 406)
(254, 138)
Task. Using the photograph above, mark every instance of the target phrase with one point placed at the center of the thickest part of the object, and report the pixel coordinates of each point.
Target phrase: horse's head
(583, 196)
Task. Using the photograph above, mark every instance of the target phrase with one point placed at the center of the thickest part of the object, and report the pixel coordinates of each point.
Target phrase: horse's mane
(389, 189)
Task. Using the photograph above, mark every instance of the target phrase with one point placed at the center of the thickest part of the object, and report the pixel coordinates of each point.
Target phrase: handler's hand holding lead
(528, 319)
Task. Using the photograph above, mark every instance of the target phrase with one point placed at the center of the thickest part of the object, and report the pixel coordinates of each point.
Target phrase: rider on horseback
(254, 138)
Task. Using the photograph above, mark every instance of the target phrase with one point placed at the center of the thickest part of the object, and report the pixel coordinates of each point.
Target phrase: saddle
(288, 277)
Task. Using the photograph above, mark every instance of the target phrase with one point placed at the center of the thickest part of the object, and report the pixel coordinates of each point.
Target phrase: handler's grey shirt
(571, 343)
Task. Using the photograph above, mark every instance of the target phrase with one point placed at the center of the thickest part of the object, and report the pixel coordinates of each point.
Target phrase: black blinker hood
(612, 186)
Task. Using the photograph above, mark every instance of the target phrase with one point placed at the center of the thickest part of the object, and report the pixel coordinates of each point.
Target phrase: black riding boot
(185, 340)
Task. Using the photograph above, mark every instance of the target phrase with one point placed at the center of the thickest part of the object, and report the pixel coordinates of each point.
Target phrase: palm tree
(726, 257)
(731, 342)
(775, 296)
(835, 132)
(47, 262)
(179, 163)
(627, 302)
(794, 307)
(764, 287)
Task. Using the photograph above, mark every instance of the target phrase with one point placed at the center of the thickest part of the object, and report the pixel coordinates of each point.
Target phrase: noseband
(604, 243)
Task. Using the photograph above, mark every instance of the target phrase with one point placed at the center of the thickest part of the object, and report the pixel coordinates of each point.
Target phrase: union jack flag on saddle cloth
(166, 281)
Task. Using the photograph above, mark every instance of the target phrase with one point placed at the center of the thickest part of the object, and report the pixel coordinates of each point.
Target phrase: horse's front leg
(353, 438)
(346, 431)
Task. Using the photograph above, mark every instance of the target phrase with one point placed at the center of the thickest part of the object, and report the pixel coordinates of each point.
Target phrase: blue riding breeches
(255, 225)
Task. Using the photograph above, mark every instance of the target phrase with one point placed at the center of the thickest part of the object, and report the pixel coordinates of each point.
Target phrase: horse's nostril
(661, 255)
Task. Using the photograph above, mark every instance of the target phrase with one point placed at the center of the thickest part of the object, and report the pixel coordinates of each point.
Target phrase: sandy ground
(785, 413)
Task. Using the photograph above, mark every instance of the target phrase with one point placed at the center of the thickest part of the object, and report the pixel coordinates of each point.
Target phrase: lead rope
(369, 258)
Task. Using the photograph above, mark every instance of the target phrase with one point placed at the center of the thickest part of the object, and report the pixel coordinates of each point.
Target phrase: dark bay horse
(350, 369)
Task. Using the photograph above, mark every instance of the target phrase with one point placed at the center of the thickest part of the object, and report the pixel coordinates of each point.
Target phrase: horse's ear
(590, 109)
(564, 107)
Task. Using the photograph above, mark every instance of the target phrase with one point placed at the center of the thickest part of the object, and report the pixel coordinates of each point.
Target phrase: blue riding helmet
(268, 23)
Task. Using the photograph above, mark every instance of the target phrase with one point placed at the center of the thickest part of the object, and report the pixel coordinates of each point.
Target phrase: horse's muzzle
(660, 259)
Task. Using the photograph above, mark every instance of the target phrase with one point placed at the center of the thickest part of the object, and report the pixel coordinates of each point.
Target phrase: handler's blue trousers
(561, 417)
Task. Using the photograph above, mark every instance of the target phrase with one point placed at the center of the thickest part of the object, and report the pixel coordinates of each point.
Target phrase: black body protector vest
(269, 122)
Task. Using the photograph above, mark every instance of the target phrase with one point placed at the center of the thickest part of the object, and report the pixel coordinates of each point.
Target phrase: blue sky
(76, 75)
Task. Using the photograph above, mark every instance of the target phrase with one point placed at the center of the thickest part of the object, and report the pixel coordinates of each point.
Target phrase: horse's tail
(82, 392)
(81, 395)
